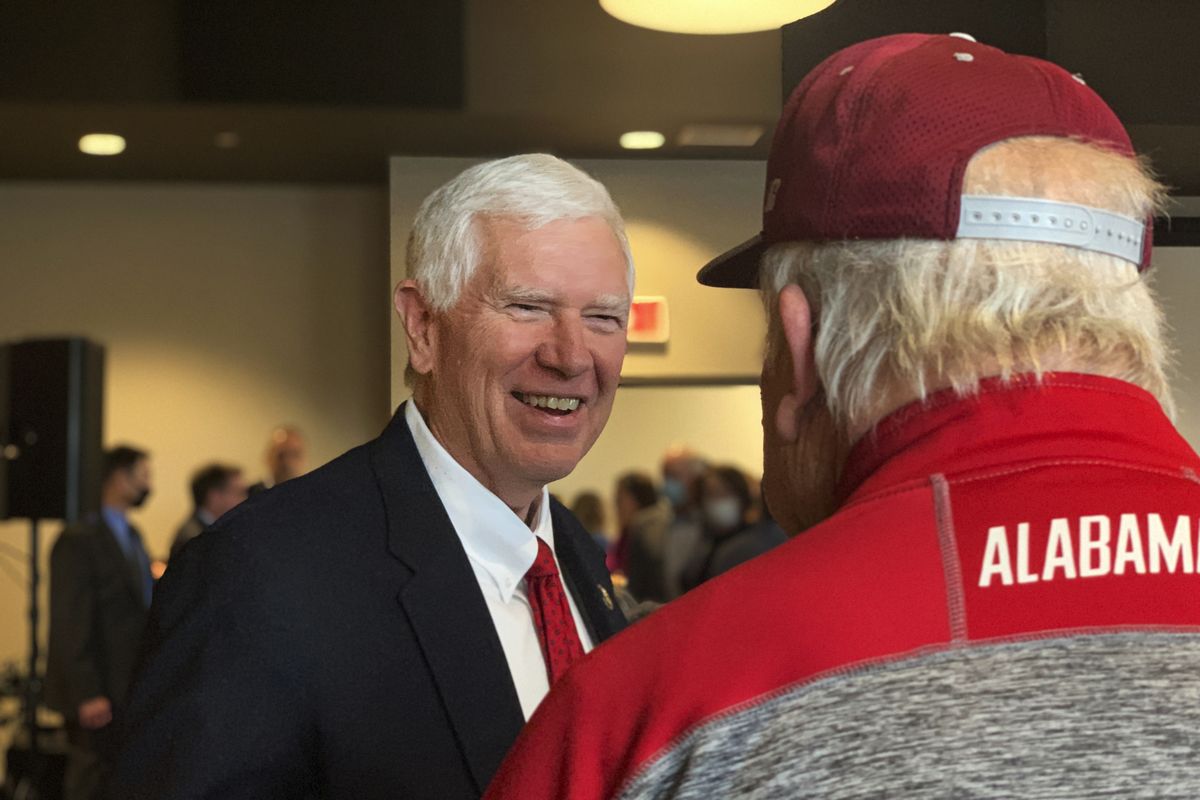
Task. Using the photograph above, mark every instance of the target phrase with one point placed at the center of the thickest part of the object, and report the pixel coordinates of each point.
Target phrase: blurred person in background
(286, 457)
(733, 533)
(966, 419)
(588, 508)
(100, 590)
(681, 469)
(643, 518)
(216, 488)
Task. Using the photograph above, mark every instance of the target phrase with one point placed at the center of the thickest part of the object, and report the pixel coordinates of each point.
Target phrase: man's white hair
(901, 318)
(444, 247)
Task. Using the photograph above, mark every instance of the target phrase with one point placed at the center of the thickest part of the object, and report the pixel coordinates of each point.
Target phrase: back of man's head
(927, 249)
(639, 488)
(211, 479)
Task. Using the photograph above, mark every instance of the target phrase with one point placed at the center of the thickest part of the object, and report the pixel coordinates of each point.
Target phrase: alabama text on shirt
(1089, 547)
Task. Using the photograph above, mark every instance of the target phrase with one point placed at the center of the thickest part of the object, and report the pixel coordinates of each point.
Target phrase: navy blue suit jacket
(328, 638)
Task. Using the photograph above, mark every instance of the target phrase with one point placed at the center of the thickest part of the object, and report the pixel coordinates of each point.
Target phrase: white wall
(224, 310)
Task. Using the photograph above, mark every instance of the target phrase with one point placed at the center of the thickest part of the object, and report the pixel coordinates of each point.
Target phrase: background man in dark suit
(382, 627)
(216, 488)
(100, 589)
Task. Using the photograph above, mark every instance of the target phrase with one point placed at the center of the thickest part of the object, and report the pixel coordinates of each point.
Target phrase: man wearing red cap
(996, 591)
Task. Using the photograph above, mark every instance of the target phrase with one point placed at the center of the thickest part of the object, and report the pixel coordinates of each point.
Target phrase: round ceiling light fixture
(642, 140)
(713, 16)
(102, 144)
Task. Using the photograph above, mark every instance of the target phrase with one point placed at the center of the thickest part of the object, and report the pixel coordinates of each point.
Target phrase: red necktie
(552, 614)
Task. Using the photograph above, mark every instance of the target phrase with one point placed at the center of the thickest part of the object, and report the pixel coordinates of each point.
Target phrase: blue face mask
(723, 513)
(675, 491)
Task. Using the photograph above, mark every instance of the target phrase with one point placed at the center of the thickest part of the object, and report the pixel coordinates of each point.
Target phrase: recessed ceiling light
(713, 16)
(707, 135)
(102, 144)
(642, 140)
(227, 140)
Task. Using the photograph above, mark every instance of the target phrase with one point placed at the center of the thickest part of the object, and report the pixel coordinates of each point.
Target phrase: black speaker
(54, 447)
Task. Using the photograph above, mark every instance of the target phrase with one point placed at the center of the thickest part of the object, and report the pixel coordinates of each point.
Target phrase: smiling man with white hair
(383, 626)
(993, 592)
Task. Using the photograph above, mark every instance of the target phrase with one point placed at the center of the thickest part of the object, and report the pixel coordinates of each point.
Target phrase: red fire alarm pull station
(649, 320)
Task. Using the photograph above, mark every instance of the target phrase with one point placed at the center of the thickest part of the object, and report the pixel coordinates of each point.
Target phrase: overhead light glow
(102, 144)
(642, 140)
(227, 140)
(713, 16)
(710, 135)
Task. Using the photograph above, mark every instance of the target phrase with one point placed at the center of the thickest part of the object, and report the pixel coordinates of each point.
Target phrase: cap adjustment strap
(1030, 219)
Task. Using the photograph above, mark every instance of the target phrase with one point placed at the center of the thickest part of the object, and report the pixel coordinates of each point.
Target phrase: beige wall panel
(224, 311)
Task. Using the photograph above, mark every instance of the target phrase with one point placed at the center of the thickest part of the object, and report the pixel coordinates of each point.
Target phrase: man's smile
(561, 405)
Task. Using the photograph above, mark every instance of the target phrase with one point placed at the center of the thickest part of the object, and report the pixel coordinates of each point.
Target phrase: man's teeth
(549, 401)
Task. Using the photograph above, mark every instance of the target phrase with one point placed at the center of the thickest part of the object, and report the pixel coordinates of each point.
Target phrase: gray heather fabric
(1113, 715)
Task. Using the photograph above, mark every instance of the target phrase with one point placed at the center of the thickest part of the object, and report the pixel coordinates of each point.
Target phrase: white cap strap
(1030, 219)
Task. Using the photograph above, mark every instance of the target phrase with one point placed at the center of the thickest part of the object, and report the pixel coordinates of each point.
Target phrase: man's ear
(795, 315)
(417, 316)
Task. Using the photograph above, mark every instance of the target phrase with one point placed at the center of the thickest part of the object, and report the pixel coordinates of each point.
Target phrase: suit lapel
(585, 575)
(120, 562)
(445, 607)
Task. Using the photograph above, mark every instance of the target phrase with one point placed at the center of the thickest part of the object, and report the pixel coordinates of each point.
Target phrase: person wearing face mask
(100, 588)
(681, 468)
(730, 538)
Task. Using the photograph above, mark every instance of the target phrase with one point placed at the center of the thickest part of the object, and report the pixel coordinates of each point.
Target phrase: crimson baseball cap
(874, 142)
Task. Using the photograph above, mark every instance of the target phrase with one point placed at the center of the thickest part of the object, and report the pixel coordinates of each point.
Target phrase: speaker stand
(32, 681)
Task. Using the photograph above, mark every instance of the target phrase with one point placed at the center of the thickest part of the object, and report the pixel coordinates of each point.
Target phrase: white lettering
(1178, 548)
(1023, 573)
(996, 560)
(1092, 544)
(1060, 553)
(1129, 546)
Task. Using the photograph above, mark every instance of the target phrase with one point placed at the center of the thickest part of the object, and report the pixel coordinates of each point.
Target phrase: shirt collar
(116, 521)
(206, 518)
(1065, 415)
(498, 543)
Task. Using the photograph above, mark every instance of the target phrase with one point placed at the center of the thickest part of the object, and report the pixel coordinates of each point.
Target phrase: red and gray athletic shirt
(1005, 605)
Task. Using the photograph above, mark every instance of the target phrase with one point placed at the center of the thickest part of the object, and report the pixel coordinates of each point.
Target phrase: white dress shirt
(501, 549)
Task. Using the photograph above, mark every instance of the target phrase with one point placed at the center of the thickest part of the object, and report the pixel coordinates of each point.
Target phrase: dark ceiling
(1141, 56)
(317, 91)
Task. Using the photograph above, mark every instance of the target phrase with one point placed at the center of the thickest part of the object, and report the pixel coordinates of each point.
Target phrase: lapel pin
(608, 603)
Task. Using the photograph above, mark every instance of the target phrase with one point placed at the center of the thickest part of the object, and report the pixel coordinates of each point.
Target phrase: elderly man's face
(525, 365)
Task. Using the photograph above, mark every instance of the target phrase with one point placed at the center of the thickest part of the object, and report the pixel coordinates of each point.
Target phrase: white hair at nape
(898, 319)
(444, 247)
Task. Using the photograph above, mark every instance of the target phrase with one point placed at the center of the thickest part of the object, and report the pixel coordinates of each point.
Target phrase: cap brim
(736, 268)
